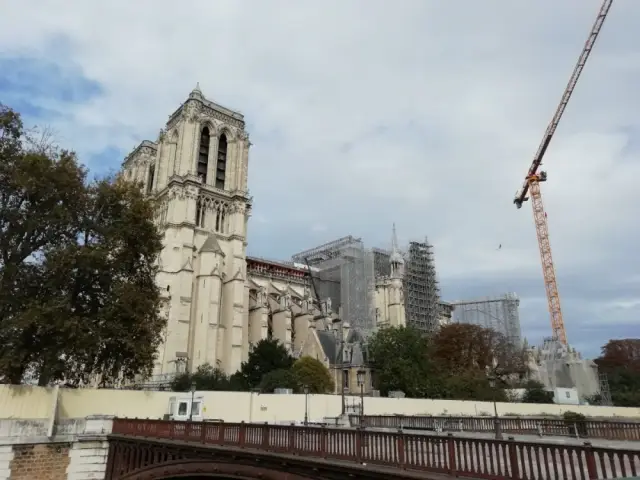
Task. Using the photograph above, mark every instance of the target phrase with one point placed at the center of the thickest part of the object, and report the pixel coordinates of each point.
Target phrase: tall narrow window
(221, 167)
(201, 212)
(152, 172)
(203, 154)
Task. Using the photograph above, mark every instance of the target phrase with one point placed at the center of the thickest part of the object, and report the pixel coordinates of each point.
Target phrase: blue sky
(426, 115)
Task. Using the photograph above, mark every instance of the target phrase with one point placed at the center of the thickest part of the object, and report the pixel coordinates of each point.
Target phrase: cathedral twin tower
(197, 170)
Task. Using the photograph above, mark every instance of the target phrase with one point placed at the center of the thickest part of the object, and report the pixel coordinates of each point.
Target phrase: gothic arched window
(152, 172)
(203, 154)
(221, 167)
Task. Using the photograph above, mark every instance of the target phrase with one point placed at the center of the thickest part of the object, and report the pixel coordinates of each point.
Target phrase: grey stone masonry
(85, 439)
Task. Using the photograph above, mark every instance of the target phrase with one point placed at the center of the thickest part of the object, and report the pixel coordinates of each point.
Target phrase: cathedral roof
(211, 245)
(353, 351)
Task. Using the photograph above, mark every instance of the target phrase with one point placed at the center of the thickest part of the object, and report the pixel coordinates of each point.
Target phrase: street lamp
(361, 375)
(496, 420)
(251, 392)
(193, 392)
(340, 349)
(305, 389)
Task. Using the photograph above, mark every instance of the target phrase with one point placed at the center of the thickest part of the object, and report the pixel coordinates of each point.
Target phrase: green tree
(472, 385)
(536, 393)
(265, 356)
(312, 373)
(400, 359)
(281, 378)
(206, 377)
(78, 298)
(620, 360)
(461, 348)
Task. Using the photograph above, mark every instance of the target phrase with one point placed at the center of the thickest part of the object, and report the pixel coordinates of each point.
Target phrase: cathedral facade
(218, 302)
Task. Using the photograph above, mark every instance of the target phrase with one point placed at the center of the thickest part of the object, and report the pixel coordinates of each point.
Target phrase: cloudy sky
(425, 113)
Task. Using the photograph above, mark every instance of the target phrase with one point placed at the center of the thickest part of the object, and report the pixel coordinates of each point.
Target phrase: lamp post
(496, 420)
(305, 389)
(251, 393)
(340, 350)
(361, 375)
(193, 392)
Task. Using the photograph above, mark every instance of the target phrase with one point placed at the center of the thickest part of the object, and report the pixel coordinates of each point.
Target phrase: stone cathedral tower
(198, 171)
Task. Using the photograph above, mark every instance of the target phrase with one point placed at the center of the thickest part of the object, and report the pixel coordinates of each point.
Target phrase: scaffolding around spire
(421, 290)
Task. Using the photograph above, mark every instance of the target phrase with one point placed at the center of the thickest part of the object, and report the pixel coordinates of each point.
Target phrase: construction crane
(534, 178)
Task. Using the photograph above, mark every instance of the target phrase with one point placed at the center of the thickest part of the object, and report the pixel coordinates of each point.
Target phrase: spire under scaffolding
(421, 291)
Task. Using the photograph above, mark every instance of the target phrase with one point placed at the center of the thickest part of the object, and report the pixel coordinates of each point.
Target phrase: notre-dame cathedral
(218, 302)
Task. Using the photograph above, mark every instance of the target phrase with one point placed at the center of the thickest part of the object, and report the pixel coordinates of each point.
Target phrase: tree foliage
(459, 361)
(265, 356)
(620, 360)
(462, 348)
(281, 378)
(206, 377)
(78, 299)
(312, 373)
(536, 393)
(401, 361)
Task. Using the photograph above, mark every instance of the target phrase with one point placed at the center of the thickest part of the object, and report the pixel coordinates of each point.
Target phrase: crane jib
(521, 196)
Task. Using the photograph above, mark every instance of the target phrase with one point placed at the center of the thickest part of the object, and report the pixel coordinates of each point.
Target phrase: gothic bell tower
(200, 181)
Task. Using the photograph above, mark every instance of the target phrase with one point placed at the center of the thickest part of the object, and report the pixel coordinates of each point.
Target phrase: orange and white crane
(534, 177)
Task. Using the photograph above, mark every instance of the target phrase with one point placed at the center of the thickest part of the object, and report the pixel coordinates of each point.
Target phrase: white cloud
(426, 114)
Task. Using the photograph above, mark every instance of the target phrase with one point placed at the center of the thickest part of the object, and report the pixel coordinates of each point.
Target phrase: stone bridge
(157, 449)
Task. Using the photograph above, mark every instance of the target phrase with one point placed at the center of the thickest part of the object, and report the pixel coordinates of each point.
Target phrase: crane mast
(534, 178)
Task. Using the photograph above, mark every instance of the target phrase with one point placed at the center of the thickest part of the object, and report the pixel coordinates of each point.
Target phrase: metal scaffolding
(346, 276)
(381, 262)
(498, 313)
(605, 392)
(421, 291)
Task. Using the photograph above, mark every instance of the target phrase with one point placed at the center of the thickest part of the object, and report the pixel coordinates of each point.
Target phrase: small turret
(196, 92)
(396, 260)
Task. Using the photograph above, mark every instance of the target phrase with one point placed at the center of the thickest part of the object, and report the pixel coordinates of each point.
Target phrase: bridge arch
(207, 469)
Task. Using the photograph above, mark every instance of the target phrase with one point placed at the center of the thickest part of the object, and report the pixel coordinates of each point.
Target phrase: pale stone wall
(25, 401)
(242, 406)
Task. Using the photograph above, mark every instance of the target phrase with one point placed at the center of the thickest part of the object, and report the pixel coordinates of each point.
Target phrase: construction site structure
(381, 263)
(424, 309)
(500, 314)
(421, 290)
(605, 392)
(344, 273)
(557, 365)
(534, 177)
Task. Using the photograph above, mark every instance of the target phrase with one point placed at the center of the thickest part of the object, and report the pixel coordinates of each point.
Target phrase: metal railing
(629, 431)
(456, 456)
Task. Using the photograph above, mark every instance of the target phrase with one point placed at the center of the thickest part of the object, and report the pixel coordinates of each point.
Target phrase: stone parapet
(77, 450)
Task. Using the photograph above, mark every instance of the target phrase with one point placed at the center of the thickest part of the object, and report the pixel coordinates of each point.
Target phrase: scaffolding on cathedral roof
(346, 276)
(497, 313)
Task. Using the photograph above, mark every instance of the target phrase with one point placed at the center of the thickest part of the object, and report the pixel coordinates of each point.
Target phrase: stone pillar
(302, 323)
(6, 456)
(258, 325)
(282, 321)
(88, 455)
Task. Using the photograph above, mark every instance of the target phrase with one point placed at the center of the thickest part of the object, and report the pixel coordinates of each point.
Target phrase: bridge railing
(523, 426)
(480, 458)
